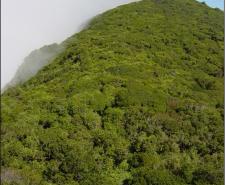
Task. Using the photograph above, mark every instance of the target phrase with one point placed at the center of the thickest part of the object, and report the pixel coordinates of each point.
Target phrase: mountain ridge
(34, 62)
(136, 98)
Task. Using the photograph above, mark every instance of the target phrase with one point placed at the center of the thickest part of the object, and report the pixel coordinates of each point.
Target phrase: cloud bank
(31, 24)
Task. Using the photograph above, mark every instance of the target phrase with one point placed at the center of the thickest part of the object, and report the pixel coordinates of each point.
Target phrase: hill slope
(35, 61)
(135, 99)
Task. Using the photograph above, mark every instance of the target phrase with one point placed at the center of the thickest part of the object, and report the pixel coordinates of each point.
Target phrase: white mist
(31, 24)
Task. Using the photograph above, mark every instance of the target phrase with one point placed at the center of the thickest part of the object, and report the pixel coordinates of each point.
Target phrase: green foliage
(134, 99)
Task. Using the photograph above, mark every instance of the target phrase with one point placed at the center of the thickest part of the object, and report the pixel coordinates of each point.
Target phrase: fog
(30, 24)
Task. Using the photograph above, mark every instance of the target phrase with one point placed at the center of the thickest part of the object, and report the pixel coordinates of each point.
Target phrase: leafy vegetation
(135, 99)
(36, 60)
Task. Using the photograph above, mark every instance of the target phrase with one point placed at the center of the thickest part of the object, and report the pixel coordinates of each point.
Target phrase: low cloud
(28, 25)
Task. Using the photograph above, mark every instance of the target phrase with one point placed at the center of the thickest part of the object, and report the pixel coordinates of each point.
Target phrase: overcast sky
(30, 24)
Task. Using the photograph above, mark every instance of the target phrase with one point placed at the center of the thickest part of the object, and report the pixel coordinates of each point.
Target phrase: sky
(214, 3)
(30, 24)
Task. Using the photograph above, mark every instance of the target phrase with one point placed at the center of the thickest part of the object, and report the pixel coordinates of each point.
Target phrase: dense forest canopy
(137, 98)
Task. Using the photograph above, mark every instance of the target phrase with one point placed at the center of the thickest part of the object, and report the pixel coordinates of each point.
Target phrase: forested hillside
(35, 61)
(137, 98)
